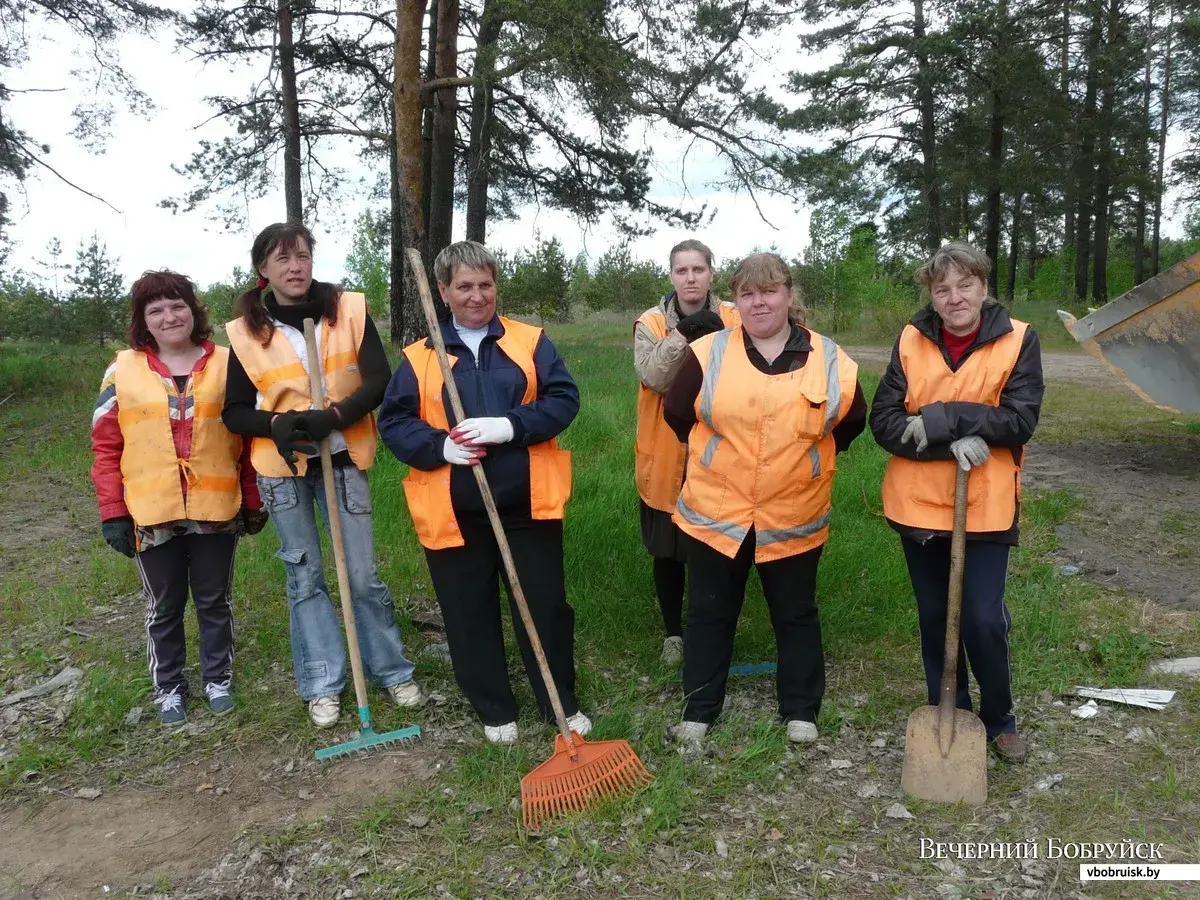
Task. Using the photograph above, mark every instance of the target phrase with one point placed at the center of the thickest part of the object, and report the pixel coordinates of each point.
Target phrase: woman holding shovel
(175, 487)
(963, 390)
(269, 399)
(518, 396)
(661, 337)
(764, 409)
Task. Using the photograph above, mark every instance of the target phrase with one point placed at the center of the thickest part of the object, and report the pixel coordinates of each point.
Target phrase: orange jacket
(151, 467)
(762, 452)
(283, 381)
(920, 493)
(428, 492)
(658, 456)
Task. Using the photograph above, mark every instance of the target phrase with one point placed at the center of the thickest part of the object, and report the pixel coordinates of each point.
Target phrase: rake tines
(562, 785)
(369, 739)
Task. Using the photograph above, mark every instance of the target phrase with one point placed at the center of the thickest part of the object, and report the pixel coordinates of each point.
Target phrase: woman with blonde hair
(964, 386)
(764, 409)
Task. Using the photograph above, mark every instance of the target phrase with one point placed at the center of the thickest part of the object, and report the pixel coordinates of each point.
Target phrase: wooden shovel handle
(417, 266)
(958, 561)
(335, 525)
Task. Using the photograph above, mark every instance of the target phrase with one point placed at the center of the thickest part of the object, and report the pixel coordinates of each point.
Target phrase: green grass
(473, 842)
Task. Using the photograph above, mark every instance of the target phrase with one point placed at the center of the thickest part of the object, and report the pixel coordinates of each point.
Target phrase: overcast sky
(134, 174)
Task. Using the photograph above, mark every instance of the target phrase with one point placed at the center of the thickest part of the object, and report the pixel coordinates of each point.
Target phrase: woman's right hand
(461, 454)
(118, 534)
(288, 433)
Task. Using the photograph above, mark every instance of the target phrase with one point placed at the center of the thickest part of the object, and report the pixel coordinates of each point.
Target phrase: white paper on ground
(1148, 698)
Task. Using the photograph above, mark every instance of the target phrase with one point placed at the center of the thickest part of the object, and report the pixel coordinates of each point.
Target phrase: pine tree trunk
(291, 114)
(441, 171)
(931, 184)
(1084, 171)
(397, 261)
(1105, 159)
(1014, 251)
(480, 146)
(1143, 189)
(1065, 95)
(410, 173)
(429, 102)
(995, 206)
(1163, 122)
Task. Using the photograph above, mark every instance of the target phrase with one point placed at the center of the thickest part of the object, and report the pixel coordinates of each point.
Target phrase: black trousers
(467, 582)
(985, 624)
(203, 562)
(716, 591)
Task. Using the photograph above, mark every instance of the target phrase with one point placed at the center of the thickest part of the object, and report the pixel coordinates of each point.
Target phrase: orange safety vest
(283, 381)
(658, 456)
(762, 452)
(920, 494)
(428, 493)
(150, 468)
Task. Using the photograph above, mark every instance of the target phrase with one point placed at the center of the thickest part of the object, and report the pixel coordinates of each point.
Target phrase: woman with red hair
(175, 486)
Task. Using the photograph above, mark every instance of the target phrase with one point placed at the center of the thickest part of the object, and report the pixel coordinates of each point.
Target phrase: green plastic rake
(368, 738)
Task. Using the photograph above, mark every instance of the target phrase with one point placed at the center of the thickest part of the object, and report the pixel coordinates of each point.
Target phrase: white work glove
(460, 454)
(915, 431)
(484, 430)
(970, 452)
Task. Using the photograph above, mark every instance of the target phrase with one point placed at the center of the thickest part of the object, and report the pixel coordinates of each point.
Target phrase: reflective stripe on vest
(920, 494)
(150, 468)
(658, 456)
(428, 493)
(282, 381)
(762, 452)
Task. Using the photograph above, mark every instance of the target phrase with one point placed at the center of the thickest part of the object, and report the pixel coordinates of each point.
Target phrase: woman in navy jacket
(518, 396)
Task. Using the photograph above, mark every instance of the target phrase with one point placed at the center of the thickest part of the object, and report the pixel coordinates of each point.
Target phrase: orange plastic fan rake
(578, 773)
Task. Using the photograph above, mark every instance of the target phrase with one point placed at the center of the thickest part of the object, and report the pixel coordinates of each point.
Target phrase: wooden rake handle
(317, 389)
(958, 562)
(417, 266)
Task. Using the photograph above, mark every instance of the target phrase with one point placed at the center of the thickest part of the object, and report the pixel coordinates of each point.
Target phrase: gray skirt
(660, 536)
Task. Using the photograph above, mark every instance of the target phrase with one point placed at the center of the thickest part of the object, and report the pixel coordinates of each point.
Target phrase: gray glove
(915, 432)
(970, 452)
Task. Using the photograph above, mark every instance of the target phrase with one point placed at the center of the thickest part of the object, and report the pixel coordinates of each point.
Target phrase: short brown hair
(163, 285)
(695, 246)
(959, 255)
(763, 270)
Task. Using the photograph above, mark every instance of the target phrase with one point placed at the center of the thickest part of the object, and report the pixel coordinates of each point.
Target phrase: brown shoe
(1010, 746)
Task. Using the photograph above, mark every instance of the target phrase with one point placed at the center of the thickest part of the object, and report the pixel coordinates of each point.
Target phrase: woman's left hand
(484, 430)
(254, 520)
(970, 452)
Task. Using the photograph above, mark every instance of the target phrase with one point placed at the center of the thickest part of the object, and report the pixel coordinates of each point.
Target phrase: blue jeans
(318, 650)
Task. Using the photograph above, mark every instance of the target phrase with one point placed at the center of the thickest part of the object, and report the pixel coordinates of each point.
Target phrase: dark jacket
(493, 386)
(1006, 428)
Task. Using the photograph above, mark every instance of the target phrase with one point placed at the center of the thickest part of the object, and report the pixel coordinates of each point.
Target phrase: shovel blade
(945, 757)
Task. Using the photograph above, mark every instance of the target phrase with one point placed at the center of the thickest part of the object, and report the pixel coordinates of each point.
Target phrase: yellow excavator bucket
(1150, 337)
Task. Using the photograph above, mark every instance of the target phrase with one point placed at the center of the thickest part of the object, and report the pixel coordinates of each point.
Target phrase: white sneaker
(672, 651)
(688, 733)
(325, 711)
(580, 724)
(407, 694)
(801, 732)
(501, 734)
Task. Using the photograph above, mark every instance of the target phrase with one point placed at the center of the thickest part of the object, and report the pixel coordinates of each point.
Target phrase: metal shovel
(945, 750)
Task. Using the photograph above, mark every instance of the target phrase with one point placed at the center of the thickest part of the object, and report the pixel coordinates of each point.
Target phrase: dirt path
(1078, 368)
(142, 831)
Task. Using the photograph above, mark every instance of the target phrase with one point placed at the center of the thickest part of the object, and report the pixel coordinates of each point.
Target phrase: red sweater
(108, 442)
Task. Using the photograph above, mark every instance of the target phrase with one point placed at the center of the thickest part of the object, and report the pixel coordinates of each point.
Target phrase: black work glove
(319, 423)
(289, 436)
(118, 534)
(254, 520)
(702, 322)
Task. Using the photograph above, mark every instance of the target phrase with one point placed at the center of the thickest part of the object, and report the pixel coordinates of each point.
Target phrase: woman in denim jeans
(268, 399)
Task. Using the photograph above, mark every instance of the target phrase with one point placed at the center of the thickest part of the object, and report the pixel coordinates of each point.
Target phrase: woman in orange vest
(175, 487)
(964, 387)
(764, 409)
(660, 339)
(518, 396)
(269, 400)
